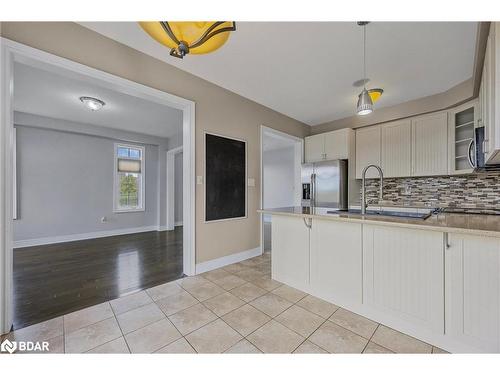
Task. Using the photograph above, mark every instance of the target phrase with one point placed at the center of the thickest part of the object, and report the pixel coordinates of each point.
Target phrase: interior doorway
(133, 217)
(281, 159)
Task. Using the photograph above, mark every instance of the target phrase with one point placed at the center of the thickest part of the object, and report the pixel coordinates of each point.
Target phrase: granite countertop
(484, 225)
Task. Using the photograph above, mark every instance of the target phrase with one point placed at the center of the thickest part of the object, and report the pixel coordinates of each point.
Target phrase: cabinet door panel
(473, 291)
(290, 251)
(367, 150)
(336, 144)
(430, 145)
(336, 263)
(396, 149)
(314, 148)
(404, 273)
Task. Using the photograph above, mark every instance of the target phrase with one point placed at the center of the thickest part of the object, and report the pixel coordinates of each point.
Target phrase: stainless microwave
(476, 154)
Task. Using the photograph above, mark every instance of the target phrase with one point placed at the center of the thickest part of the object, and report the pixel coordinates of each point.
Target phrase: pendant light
(189, 37)
(367, 97)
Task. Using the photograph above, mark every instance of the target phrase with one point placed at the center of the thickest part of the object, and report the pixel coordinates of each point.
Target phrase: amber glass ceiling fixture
(190, 37)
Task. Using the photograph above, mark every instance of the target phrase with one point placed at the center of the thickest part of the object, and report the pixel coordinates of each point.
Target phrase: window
(129, 178)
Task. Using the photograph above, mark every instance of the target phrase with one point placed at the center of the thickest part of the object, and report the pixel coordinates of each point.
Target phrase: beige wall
(217, 110)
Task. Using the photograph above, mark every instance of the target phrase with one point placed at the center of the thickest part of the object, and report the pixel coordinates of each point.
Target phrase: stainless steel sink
(402, 214)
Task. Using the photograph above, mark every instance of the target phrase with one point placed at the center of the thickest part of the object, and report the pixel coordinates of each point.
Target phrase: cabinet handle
(308, 222)
(446, 240)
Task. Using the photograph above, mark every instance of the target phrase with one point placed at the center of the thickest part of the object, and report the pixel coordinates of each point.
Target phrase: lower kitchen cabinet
(473, 291)
(403, 273)
(336, 262)
(290, 251)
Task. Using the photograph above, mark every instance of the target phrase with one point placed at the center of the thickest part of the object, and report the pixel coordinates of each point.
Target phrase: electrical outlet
(251, 182)
(199, 180)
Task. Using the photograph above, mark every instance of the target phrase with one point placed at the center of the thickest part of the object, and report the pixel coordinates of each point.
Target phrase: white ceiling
(306, 69)
(40, 92)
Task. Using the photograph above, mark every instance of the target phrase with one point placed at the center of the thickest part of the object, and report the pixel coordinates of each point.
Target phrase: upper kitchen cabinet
(430, 144)
(489, 90)
(329, 146)
(396, 149)
(463, 121)
(368, 144)
(314, 148)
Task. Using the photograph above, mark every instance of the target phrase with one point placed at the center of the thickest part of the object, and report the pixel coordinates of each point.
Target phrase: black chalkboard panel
(225, 178)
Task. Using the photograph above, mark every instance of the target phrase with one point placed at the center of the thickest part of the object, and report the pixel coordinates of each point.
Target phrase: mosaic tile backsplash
(480, 190)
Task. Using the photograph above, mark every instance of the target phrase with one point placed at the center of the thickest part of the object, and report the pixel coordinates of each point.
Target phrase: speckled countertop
(484, 225)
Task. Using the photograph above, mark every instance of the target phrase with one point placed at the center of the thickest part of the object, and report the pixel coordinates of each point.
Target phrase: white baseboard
(177, 223)
(227, 260)
(162, 228)
(80, 236)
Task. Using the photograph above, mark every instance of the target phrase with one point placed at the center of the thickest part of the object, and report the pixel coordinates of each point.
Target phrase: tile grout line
(370, 339)
(119, 326)
(312, 333)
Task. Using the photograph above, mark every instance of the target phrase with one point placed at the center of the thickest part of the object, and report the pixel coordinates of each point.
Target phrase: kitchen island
(436, 279)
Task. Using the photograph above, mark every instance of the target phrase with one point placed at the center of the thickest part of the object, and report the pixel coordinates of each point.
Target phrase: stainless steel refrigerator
(324, 184)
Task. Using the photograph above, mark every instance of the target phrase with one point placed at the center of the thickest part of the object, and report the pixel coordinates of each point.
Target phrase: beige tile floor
(235, 309)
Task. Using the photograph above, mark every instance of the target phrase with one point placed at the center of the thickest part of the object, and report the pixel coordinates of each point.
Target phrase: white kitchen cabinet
(290, 255)
(463, 121)
(328, 146)
(396, 149)
(337, 144)
(430, 144)
(473, 291)
(403, 273)
(336, 262)
(491, 90)
(314, 148)
(368, 143)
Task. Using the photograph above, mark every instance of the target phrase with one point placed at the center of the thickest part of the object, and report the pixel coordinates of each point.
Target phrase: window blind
(129, 166)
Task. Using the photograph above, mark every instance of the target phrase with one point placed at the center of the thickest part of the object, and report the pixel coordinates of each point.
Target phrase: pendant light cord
(364, 56)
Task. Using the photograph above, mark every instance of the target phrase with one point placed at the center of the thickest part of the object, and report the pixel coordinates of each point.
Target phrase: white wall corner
(227, 260)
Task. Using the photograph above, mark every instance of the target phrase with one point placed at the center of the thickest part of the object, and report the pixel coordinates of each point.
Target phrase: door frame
(170, 211)
(299, 155)
(11, 52)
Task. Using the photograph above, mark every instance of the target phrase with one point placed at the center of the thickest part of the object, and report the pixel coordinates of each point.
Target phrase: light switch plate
(199, 180)
(251, 182)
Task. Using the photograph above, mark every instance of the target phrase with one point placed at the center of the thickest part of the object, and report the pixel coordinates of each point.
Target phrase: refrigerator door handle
(313, 190)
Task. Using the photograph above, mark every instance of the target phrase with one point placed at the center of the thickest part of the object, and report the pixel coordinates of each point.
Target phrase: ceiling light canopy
(93, 104)
(189, 37)
(367, 97)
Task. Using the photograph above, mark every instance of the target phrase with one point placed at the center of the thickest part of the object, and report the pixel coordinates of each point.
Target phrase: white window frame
(116, 196)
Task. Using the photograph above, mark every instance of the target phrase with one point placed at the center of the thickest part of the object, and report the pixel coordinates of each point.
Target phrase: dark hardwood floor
(53, 280)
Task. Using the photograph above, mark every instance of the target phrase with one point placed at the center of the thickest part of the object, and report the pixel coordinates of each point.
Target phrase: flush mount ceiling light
(189, 37)
(367, 97)
(93, 104)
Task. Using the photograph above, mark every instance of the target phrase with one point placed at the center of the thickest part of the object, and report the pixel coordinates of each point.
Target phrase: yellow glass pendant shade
(198, 37)
(375, 94)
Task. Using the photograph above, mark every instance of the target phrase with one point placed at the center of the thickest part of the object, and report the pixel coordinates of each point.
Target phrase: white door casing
(12, 51)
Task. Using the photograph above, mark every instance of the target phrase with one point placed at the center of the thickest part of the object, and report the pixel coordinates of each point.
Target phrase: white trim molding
(170, 209)
(227, 260)
(81, 236)
(299, 159)
(11, 52)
